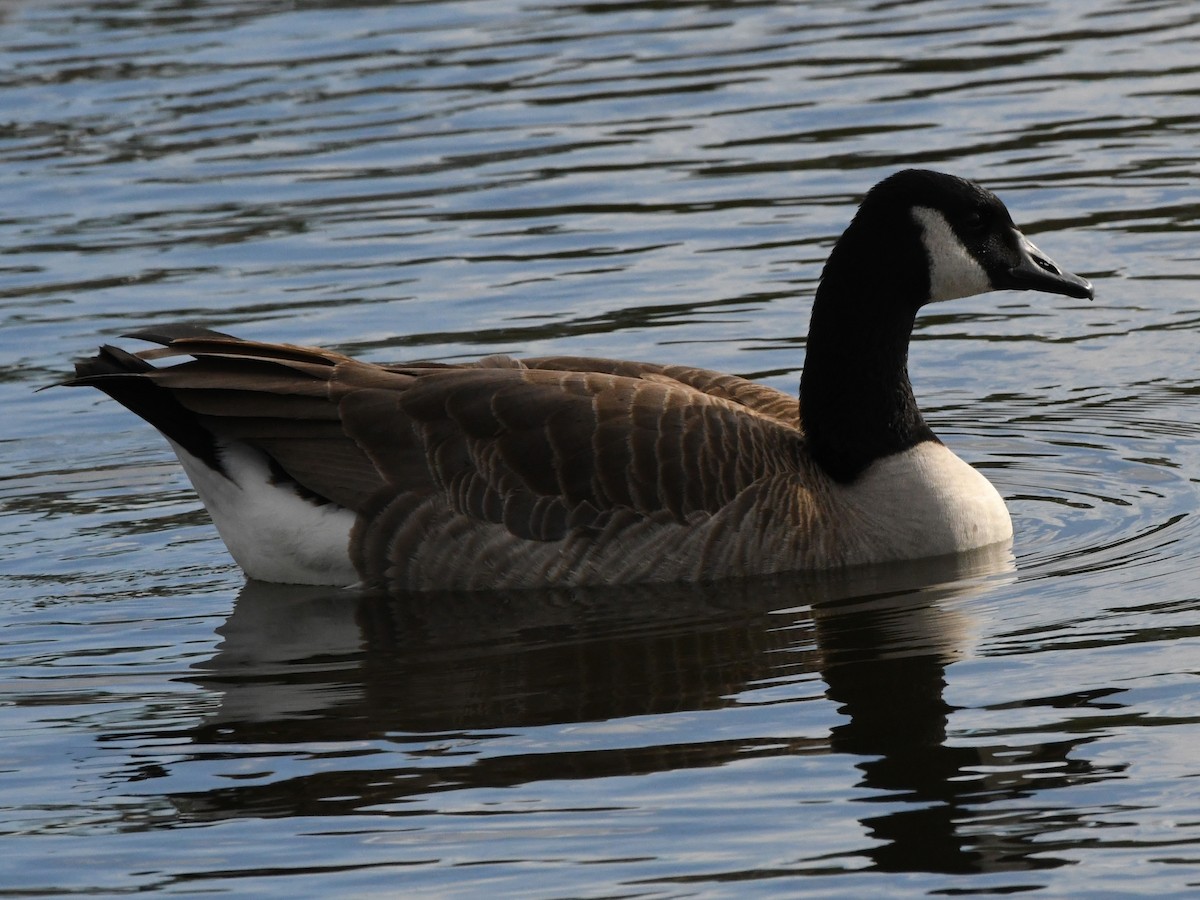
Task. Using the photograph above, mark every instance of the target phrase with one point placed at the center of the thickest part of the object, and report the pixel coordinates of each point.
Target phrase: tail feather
(273, 398)
(176, 331)
(110, 360)
(121, 375)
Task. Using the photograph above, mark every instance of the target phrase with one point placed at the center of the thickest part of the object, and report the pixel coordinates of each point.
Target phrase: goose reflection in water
(436, 678)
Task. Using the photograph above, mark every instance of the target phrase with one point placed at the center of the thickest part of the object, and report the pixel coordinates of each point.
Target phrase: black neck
(856, 402)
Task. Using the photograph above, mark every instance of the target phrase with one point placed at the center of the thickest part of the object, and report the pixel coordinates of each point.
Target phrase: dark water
(639, 180)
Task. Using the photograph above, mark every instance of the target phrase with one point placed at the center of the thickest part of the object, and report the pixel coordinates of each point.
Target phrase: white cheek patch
(953, 271)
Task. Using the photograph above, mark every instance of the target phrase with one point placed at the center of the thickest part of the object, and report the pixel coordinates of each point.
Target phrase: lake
(654, 181)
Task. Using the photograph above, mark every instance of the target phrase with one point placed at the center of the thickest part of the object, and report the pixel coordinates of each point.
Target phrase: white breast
(922, 502)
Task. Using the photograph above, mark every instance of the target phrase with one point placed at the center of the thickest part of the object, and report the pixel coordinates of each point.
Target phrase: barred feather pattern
(507, 473)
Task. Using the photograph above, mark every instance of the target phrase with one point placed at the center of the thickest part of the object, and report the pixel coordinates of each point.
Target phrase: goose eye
(974, 222)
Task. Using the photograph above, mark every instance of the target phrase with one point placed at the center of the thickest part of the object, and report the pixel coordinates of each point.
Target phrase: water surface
(637, 180)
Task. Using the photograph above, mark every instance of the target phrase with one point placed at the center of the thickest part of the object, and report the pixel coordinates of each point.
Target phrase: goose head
(932, 237)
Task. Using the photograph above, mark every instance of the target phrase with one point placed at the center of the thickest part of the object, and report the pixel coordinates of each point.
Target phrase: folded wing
(544, 448)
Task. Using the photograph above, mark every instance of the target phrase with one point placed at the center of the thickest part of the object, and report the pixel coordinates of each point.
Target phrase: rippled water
(640, 180)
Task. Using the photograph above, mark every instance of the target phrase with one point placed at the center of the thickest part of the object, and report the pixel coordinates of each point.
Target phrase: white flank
(953, 271)
(272, 532)
(922, 502)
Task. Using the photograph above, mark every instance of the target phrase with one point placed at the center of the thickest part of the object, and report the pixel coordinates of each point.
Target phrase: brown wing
(542, 448)
(757, 397)
(545, 451)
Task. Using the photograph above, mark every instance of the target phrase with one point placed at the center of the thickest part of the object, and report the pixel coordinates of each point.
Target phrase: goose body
(320, 469)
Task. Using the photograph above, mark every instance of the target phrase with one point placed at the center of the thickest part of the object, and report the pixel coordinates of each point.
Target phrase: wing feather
(500, 440)
(543, 447)
(758, 397)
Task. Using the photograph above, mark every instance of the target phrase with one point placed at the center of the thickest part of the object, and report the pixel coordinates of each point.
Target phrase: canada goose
(320, 469)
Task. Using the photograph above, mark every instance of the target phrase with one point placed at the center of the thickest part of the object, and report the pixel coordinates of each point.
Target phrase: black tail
(130, 381)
